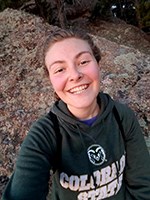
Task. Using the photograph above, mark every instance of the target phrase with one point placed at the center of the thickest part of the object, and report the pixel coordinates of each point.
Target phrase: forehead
(66, 49)
(69, 44)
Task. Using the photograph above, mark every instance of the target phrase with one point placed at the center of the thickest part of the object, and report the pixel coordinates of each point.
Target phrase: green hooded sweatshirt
(88, 162)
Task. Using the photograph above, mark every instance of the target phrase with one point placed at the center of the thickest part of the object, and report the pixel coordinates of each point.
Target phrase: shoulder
(128, 119)
(42, 131)
(45, 122)
(123, 110)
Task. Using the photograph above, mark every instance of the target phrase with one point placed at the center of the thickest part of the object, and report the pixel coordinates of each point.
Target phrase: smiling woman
(93, 144)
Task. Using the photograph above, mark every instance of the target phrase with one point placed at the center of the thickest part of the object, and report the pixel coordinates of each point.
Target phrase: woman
(93, 145)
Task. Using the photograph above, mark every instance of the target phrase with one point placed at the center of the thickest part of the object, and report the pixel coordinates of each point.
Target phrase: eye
(84, 62)
(59, 70)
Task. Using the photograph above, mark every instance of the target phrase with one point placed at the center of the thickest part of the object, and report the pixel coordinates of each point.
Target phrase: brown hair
(61, 34)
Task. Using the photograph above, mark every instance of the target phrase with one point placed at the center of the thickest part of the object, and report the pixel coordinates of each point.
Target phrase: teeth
(78, 90)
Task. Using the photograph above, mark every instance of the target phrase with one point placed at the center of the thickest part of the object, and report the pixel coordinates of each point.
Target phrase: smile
(78, 90)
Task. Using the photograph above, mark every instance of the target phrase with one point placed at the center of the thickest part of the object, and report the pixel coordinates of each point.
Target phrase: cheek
(58, 84)
(94, 73)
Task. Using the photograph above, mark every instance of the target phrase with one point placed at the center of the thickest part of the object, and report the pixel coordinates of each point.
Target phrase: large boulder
(26, 92)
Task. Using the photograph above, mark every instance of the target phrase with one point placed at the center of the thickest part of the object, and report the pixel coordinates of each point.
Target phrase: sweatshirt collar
(63, 114)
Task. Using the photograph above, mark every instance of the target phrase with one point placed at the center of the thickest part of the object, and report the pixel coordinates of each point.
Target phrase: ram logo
(96, 154)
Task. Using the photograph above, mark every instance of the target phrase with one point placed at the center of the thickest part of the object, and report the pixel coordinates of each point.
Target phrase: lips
(79, 89)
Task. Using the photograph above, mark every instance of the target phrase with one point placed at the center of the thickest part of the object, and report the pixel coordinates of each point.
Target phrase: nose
(75, 74)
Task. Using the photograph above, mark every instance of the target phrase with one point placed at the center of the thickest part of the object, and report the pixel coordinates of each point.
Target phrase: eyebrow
(77, 56)
(82, 52)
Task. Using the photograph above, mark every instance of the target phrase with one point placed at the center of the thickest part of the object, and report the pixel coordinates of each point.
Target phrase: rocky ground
(25, 90)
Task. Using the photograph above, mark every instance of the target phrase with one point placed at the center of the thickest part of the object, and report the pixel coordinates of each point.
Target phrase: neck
(85, 113)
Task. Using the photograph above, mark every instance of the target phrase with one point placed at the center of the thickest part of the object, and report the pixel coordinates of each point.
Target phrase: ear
(99, 67)
(56, 96)
(99, 64)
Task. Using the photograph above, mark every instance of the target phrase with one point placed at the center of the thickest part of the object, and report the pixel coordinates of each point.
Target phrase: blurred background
(59, 12)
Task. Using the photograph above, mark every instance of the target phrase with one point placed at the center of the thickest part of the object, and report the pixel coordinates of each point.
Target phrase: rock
(27, 94)
(126, 77)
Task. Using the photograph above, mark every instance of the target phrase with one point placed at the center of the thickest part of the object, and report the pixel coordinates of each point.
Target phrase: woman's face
(74, 73)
